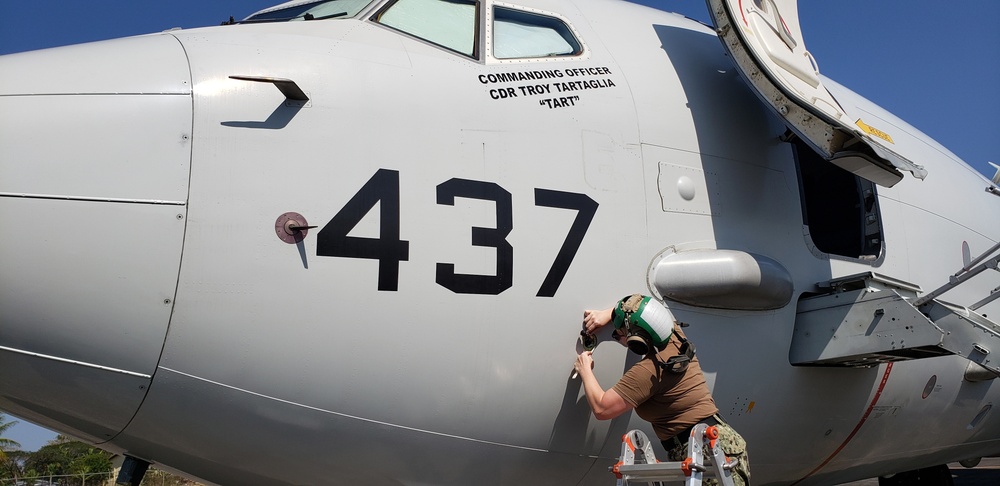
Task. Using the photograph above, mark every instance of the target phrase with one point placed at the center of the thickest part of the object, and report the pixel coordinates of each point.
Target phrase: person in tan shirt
(666, 388)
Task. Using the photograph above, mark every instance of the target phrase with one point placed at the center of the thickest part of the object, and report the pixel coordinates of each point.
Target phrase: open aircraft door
(765, 40)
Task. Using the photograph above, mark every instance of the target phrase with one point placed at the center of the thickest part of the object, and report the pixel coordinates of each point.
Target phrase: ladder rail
(994, 295)
(979, 259)
(964, 275)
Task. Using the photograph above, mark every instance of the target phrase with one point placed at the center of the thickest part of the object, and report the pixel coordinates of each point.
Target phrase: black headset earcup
(638, 345)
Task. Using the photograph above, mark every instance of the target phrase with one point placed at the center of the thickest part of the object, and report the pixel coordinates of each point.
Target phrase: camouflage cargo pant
(733, 446)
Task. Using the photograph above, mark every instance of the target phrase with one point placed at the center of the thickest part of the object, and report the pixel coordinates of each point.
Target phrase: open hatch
(765, 40)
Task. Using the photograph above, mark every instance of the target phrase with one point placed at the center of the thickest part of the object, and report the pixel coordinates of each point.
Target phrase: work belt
(681, 439)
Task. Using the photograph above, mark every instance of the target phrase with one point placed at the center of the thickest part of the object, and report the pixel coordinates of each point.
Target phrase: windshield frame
(306, 10)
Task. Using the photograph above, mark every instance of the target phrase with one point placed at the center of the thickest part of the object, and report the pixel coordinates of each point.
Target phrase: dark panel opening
(840, 208)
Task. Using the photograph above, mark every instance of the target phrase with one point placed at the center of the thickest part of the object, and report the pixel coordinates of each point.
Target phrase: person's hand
(584, 361)
(595, 319)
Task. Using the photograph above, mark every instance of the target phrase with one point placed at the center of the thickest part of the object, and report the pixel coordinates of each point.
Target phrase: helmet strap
(678, 363)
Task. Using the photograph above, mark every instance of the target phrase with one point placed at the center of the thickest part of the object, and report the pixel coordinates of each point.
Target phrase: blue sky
(936, 67)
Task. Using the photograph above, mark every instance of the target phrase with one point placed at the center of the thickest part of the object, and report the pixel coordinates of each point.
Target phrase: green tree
(50, 460)
(156, 477)
(90, 464)
(12, 466)
(6, 445)
(63, 457)
(10, 457)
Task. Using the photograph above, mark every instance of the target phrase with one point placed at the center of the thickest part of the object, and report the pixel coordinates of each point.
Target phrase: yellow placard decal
(875, 132)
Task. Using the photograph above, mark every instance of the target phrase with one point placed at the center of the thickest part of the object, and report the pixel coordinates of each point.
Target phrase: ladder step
(638, 461)
(968, 334)
(661, 471)
(877, 323)
(862, 328)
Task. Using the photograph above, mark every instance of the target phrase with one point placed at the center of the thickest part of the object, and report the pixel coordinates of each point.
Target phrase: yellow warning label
(875, 132)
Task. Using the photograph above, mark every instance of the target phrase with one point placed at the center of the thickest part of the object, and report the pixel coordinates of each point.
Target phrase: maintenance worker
(666, 388)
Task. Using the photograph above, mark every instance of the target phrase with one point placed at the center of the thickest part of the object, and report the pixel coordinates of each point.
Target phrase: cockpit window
(308, 10)
(448, 23)
(518, 34)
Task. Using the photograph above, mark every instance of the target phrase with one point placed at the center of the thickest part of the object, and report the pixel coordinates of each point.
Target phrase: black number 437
(334, 240)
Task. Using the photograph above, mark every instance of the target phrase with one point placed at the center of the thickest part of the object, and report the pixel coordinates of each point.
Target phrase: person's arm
(606, 405)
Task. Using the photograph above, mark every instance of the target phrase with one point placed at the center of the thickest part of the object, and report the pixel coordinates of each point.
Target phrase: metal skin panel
(340, 450)
(92, 215)
(110, 147)
(100, 342)
(151, 64)
(90, 403)
(689, 96)
(448, 147)
(113, 268)
(295, 347)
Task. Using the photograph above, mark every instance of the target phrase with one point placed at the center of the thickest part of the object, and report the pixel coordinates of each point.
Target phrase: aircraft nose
(95, 151)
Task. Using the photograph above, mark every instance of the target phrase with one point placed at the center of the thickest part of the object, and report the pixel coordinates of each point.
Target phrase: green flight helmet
(646, 323)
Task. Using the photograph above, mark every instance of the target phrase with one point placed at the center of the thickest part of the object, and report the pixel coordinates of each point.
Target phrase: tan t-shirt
(671, 402)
